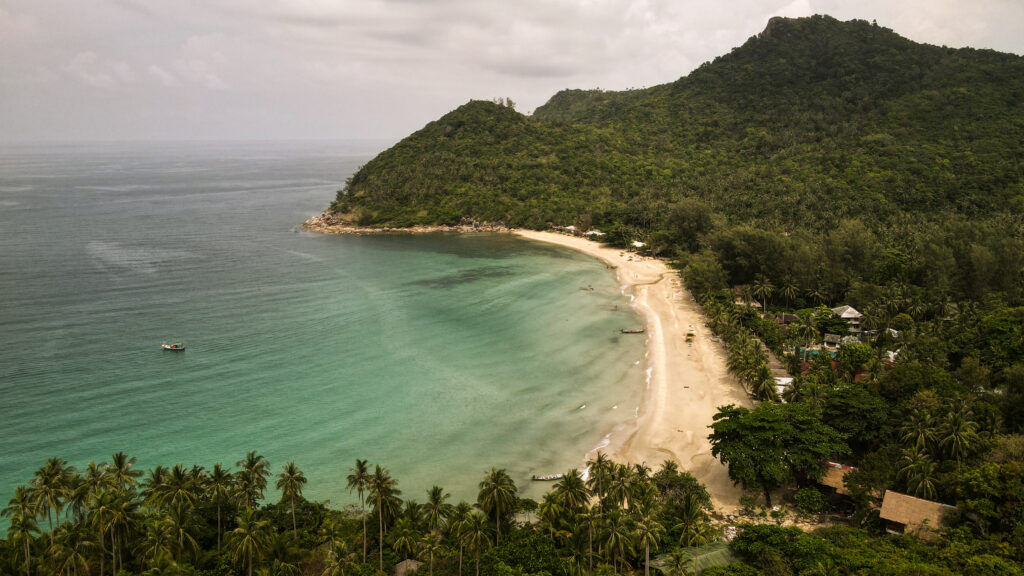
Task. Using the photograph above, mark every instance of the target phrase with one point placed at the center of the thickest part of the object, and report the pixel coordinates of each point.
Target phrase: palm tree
(284, 557)
(330, 534)
(817, 295)
(359, 480)
(789, 290)
(68, 550)
(551, 512)
(153, 486)
(919, 472)
(616, 537)
(383, 489)
(249, 540)
(290, 482)
(918, 431)
(762, 385)
(497, 496)
(179, 522)
(572, 491)
(252, 478)
(403, 537)
(20, 530)
(600, 467)
(459, 521)
(476, 535)
(648, 531)
(763, 289)
(120, 471)
(437, 511)
(179, 487)
(430, 545)
(218, 490)
(100, 517)
(123, 519)
(959, 434)
(48, 489)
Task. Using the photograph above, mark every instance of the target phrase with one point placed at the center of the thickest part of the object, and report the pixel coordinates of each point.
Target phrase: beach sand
(687, 384)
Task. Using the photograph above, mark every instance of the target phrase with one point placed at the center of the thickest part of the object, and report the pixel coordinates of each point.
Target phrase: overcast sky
(272, 69)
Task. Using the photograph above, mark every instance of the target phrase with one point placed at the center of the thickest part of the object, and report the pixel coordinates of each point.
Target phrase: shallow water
(437, 356)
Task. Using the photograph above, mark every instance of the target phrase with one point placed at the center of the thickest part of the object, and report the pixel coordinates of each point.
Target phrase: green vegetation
(108, 519)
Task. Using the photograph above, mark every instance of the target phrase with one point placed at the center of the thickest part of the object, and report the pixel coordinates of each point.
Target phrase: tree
(763, 289)
(20, 531)
(959, 433)
(249, 540)
(218, 490)
(359, 480)
(120, 471)
(766, 446)
(648, 532)
(475, 535)
(251, 480)
(404, 537)
(290, 482)
(497, 496)
(179, 522)
(460, 522)
(437, 511)
(383, 488)
(572, 491)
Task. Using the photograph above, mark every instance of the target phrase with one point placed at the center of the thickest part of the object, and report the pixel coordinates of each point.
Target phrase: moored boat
(632, 330)
(175, 346)
(547, 477)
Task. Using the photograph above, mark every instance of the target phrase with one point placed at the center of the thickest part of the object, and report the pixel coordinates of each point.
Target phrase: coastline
(686, 384)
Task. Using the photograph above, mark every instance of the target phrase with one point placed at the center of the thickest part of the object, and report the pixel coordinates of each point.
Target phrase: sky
(381, 69)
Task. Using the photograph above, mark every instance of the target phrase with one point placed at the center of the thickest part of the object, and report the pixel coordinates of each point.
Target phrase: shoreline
(685, 384)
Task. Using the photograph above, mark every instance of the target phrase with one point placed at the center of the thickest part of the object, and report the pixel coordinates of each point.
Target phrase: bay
(438, 356)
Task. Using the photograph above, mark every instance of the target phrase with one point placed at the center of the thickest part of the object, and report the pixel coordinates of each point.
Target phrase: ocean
(438, 356)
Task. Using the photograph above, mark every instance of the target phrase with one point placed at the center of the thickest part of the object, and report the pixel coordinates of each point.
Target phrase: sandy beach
(687, 383)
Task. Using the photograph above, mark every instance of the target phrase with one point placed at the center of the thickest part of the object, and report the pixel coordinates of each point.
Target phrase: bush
(811, 501)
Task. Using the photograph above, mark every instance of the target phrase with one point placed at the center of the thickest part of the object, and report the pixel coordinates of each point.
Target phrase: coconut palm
(124, 511)
(918, 431)
(403, 537)
(789, 290)
(572, 491)
(551, 512)
(180, 523)
(330, 534)
(648, 532)
(383, 489)
(959, 434)
(179, 487)
(762, 385)
(20, 531)
(430, 545)
(436, 511)
(459, 522)
(290, 482)
(249, 540)
(68, 550)
(251, 479)
(919, 472)
(48, 489)
(763, 289)
(497, 496)
(359, 480)
(153, 485)
(476, 535)
(120, 471)
(600, 467)
(217, 488)
(616, 537)
(817, 295)
(282, 556)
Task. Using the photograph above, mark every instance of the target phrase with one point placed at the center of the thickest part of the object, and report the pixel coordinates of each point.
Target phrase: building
(833, 477)
(407, 567)
(909, 515)
(852, 317)
(832, 341)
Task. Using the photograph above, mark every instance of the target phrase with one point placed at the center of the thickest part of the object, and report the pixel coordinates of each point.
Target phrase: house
(832, 341)
(784, 320)
(909, 515)
(834, 474)
(407, 567)
(852, 317)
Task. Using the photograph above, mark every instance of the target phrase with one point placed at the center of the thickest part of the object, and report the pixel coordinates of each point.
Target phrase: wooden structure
(909, 515)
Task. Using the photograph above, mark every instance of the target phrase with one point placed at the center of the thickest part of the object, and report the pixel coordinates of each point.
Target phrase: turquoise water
(437, 356)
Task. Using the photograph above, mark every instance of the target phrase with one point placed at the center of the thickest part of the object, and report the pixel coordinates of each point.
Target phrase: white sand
(687, 383)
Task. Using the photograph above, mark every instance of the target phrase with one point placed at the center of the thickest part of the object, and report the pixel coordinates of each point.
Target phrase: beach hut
(833, 477)
(909, 515)
(407, 567)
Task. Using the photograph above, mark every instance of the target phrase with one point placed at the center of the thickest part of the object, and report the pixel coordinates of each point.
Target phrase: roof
(832, 338)
(846, 312)
(915, 513)
(833, 477)
(407, 567)
(786, 318)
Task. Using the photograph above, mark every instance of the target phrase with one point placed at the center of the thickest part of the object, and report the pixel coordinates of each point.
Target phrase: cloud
(163, 76)
(90, 69)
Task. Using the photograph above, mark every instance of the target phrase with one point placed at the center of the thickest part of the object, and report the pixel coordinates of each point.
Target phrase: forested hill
(812, 126)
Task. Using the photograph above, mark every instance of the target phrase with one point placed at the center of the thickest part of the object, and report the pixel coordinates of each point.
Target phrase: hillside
(811, 127)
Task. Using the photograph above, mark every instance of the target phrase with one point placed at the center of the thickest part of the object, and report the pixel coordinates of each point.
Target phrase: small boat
(632, 330)
(547, 477)
(175, 346)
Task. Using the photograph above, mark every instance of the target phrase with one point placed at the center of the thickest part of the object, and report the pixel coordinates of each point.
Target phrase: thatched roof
(406, 567)
(916, 514)
(847, 312)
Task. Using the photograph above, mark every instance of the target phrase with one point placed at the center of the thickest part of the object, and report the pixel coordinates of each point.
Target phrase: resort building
(852, 317)
(908, 515)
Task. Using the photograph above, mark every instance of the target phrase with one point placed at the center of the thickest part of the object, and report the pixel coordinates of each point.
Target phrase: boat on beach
(632, 330)
(547, 477)
(173, 346)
